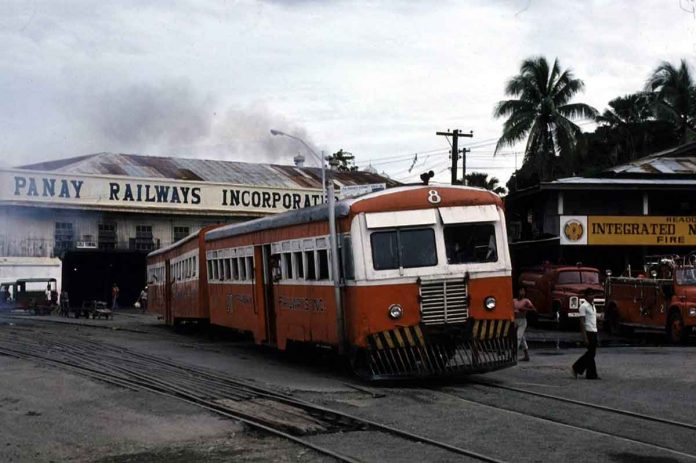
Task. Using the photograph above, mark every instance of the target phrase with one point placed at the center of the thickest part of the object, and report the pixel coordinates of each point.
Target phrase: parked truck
(558, 290)
(661, 296)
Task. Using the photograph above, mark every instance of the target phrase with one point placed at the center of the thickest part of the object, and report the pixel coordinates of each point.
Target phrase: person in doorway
(114, 296)
(522, 305)
(588, 328)
(49, 294)
(143, 300)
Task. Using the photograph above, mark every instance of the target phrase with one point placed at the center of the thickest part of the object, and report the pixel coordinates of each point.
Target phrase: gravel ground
(49, 415)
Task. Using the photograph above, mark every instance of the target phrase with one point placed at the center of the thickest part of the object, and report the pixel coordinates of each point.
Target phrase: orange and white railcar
(177, 280)
(424, 286)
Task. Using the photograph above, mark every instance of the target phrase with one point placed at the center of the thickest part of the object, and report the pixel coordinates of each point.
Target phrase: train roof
(183, 240)
(321, 212)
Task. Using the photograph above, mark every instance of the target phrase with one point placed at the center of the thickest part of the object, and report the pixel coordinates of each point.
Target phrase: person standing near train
(522, 305)
(588, 328)
(114, 296)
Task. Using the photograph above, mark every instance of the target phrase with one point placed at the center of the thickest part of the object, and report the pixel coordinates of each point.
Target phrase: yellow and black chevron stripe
(402, 336)
(491, 329)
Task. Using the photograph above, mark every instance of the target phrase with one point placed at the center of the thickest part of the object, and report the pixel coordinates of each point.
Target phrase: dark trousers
(586, 362)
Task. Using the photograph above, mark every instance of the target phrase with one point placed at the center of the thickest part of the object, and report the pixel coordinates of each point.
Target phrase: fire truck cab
(557, 290)
(662, 296)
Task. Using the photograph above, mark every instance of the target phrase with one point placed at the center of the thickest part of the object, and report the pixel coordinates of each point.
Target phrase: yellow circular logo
(573, 230)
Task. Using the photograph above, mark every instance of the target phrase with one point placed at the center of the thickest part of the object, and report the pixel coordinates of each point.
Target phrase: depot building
(618, 218)
(101, 214)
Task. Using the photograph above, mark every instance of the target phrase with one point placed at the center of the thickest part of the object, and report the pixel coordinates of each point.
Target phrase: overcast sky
(376, 78)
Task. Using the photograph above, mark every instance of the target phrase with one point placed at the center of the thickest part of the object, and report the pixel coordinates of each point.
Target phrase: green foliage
(674, 97)
(481, 180)
(542, 113)
(344, 161)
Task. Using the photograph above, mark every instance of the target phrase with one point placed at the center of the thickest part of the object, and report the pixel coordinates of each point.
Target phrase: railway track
(261, 408)
(540, 416)
(590, 405)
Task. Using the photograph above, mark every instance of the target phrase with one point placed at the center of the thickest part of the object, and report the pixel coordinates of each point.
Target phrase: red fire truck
(661, 296)
(557, 290)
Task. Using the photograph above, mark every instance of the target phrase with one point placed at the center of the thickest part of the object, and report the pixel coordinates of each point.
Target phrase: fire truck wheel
(676, 333)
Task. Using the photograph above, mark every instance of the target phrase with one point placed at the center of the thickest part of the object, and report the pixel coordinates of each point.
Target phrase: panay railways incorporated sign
(628, 230)
(119, 192)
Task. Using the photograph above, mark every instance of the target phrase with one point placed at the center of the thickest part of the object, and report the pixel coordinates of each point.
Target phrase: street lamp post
(309, 148)
(329, 197)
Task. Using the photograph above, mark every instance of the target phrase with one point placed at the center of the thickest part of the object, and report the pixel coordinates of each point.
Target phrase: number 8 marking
(434, 197)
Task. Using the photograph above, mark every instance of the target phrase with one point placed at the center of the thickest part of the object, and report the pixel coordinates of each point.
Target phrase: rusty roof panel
(242, 173)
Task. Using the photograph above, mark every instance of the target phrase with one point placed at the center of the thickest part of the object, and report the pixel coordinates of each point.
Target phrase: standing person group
(522, 305)
(588, 328)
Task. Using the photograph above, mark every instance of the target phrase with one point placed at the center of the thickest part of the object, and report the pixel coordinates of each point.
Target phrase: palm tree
(542, 113)
(626, 125)
(481, 180)
(674, 93)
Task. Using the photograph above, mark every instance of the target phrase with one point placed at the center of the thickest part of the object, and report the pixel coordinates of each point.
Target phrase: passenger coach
(177, 280)
(424, 285)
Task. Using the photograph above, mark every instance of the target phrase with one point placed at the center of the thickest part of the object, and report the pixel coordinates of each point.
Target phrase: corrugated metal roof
(242, 173)
(680, 160)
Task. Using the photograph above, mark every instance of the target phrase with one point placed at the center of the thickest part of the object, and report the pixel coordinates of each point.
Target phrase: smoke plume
(172, 119)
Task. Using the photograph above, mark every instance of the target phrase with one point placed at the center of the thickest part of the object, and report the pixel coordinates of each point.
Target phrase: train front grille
(412, 351)
(444, 302)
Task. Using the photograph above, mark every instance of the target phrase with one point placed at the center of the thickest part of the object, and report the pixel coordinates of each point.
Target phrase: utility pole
(455, 134)
(464, 151)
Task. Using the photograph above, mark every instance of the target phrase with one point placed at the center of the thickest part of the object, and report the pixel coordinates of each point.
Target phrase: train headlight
(574, 302)
(395, 311)
(692, 311)
(489, 303)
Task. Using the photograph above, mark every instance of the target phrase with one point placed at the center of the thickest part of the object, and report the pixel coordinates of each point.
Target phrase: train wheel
(676, 333)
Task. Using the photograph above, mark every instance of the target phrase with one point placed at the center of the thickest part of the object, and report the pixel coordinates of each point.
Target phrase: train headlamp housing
(574, 302)
(489, 303)
(395, 311)
(692, 311)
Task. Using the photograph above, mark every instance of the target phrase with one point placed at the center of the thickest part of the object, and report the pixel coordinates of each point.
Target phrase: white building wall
(30, 231)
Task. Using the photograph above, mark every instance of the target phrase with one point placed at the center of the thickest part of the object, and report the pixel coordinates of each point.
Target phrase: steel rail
(605, 408)
(579, 428)
(158, 386)
(310, 406)
(235, 416)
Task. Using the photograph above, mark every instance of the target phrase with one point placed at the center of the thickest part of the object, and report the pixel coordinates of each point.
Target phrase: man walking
(588, 328)
(522, 305)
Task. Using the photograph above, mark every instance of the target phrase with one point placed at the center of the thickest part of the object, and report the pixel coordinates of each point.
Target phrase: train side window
(242, 269)
(234, 270)
(346, 258)
(311, 267)
(297, 261)
(250, 267)
(323, 261)
(195, 266)
(227, 269)
(210, 270)
(287, 265)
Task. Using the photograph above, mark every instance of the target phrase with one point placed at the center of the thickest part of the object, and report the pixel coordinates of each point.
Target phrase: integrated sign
(102, 192)
(628, 230)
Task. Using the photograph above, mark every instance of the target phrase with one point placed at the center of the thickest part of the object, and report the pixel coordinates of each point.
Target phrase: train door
(269, 294)
(168, 293)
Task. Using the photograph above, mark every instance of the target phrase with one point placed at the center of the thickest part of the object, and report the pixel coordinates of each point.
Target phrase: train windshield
(407, 248)
(574, 277)
(470, 243)
(686, 276)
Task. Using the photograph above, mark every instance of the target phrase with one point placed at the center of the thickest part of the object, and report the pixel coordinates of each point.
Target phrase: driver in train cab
(276, 273)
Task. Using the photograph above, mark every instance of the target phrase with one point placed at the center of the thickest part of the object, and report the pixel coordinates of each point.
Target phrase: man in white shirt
(588, 328)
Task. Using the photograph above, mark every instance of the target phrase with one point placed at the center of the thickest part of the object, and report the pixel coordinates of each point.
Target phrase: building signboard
(628, 230)
(30, 187)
